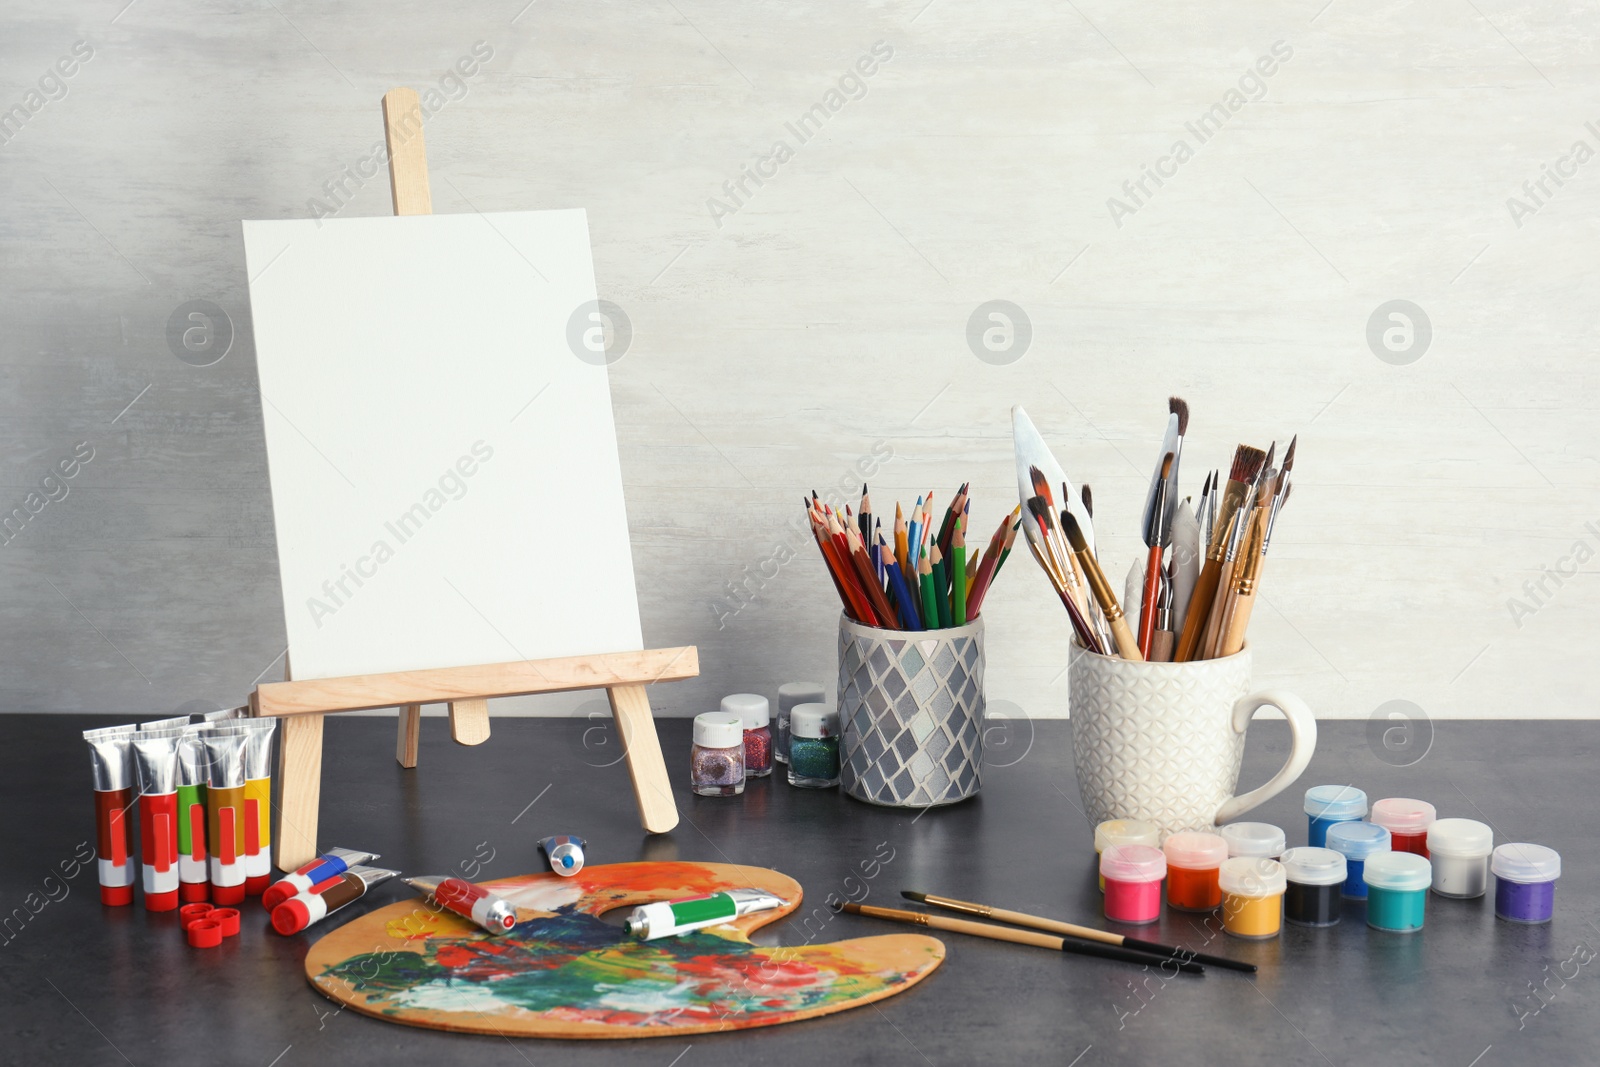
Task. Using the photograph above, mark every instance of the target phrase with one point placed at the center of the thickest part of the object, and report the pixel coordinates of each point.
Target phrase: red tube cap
(205, 934)
(256, 884)
(227, 918)
(161, 901)
(276, 894)
(193, 913)
(227, 894)
(290, 917)
(116, 896)
(194, 892)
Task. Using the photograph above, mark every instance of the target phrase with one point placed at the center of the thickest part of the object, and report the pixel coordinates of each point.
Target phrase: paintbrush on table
(1088, 933)
(1019, 937)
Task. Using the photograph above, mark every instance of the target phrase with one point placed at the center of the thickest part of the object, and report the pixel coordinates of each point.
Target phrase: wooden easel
(302, 705)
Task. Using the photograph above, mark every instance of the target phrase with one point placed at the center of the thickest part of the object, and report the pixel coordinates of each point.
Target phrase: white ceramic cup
(1163, 741)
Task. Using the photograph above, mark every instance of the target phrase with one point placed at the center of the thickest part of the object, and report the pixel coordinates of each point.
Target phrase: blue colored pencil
(902, 595)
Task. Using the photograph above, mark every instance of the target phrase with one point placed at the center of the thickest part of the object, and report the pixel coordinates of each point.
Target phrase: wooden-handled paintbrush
(1019, 937)
(1126, 645)
(1247, 463)
(1088, 933)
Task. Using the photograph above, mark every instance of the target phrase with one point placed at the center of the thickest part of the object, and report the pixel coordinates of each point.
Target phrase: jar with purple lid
(1525, 882)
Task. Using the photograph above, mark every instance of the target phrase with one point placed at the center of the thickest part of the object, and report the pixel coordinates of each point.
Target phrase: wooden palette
(563, 972)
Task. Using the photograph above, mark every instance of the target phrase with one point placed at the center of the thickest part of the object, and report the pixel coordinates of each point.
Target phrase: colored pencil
(958, 570)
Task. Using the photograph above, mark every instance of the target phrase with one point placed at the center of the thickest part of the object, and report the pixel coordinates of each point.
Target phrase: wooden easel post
(467, 690)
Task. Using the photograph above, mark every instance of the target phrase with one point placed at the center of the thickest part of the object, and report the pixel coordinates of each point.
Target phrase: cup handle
(1302, 743)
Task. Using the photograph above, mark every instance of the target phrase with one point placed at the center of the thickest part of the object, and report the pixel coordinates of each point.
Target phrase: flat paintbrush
(1126, 645)
(1247, 463)
(1019, 937)
(1087, 933)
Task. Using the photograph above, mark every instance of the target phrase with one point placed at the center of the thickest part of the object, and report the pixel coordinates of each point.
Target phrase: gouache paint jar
(1314, 894)
(1256, 840)
(1124, 832)
(1459, 849)
(1252, 897)
(1356, 841)
(1525, 882)
(1133, 875)
(1397, 890)
(1407, 821)
(1329, 804)
(1192, 862)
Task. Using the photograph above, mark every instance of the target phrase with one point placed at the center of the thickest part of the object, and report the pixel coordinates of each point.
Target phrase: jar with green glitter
(813, 746)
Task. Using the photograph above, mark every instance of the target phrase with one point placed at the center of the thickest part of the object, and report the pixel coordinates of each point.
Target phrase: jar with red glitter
(755, 713)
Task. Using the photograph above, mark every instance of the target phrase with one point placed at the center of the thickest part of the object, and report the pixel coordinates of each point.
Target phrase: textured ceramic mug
(1162, 741)
(911, 714)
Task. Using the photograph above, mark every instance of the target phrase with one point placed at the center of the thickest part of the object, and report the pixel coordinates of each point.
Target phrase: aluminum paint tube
(225, 715)
(325, 898)
(225, 815)
(155, 761)
(257, 799)
(330, 864)
(193, 882)
(494, 913)
(174, 723)
(111, 760)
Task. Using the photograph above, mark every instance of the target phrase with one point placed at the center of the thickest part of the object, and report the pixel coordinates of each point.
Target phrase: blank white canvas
(445, 480)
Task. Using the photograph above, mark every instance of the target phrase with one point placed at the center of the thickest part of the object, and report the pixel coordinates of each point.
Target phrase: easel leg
(300, 786)
(652, 789)
(469, 721)
(405, 745)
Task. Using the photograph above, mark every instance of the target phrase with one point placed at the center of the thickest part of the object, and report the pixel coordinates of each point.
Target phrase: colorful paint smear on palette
(562, 971)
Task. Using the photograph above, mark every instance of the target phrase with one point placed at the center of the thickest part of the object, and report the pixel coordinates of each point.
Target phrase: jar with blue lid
(1397, 890)
(1327, 805)
(1356, 841)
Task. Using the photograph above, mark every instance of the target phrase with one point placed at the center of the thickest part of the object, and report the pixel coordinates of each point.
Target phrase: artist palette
(565, 972)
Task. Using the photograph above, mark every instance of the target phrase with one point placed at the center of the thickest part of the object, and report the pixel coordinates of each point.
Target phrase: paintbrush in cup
(1247, 463)
(1126, 645)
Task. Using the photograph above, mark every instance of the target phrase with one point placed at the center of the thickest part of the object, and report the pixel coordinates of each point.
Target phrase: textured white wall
(781, 338)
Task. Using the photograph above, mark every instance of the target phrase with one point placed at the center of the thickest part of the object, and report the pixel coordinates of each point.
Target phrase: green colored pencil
(941, 588)
(958, 567)
(930, 598)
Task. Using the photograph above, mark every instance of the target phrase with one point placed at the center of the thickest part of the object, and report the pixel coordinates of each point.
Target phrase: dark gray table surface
(88, 984)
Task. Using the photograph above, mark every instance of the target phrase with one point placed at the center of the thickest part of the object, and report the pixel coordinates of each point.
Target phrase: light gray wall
(780, 339)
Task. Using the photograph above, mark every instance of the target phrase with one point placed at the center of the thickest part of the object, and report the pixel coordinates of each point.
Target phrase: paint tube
(155, 762)
(494, 913)
(330, 864)
(325, 898)
(193, 882)
(669, 918)
(257, 799)
(111, 759)
(564, 853)
(164, 724)
(225, 818)
(225, 715)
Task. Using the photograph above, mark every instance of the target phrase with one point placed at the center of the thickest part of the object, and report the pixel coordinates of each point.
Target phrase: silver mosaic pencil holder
(911, 713)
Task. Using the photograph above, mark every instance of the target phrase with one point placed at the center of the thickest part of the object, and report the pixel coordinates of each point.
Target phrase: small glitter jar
(716, 762)
(756, 713)
(1327, 805)
(1192, 862)
(813, 746)
(1254, 840)
(1407, 821)
(1525, 882)
(790, 696)
(1397, 890)
(1459, 849)
(1355, 841)
(1123, 832)
(1252, 897)
(1314, 886)
(1133, 875)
